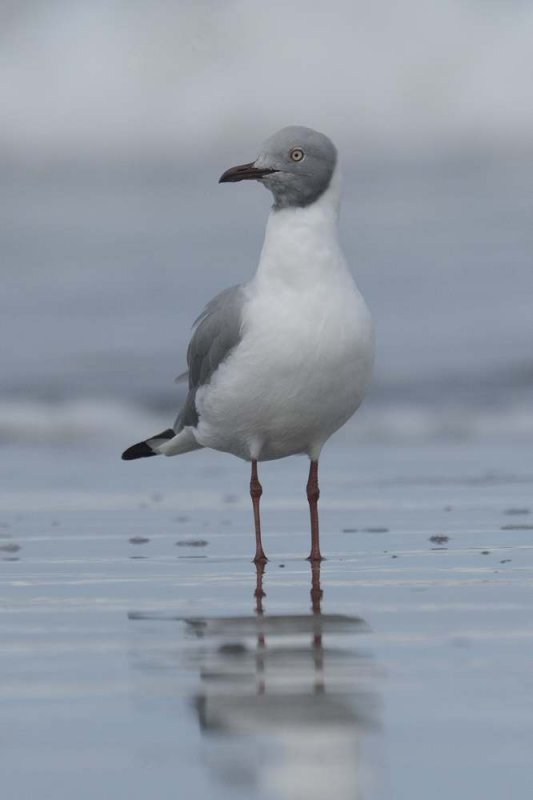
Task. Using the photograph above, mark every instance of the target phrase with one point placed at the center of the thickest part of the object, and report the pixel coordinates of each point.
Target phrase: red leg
(313, 494)
(256, 490)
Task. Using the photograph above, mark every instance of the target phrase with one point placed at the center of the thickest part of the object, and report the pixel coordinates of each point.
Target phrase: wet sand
(144, 656)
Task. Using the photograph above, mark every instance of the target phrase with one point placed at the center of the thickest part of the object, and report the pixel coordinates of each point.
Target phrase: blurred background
(118, 116)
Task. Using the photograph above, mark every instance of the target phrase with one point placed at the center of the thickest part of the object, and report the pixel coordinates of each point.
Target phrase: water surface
(133, 666)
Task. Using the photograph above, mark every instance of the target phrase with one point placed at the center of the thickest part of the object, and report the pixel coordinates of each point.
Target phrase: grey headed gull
(278, 364)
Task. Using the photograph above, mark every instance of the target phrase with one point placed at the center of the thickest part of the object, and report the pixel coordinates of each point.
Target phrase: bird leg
(313, 494)
(256, 490)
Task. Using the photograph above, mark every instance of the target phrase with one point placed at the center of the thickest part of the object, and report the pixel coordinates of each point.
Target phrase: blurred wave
(71, 422)
(94, 421)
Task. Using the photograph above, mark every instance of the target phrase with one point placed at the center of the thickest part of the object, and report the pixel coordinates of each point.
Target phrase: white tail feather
(183, 442)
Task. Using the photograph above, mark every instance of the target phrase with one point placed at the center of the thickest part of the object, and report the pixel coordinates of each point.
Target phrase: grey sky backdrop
(118, 117)
(186, 78)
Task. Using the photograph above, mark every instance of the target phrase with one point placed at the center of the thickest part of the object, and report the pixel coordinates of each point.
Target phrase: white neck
(301, 244)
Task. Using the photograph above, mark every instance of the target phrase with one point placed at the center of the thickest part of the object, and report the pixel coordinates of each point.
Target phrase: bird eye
(296, 154)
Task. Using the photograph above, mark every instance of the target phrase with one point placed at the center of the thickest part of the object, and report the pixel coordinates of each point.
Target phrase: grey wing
(217, 332)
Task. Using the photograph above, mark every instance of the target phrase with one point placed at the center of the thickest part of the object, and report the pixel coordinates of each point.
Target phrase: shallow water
(143, 655)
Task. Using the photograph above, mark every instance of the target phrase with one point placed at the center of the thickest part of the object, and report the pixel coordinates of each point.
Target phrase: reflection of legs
(256, 490)
(312, 495)
(261, 640)
(316, 591)
(318, 650)
(259, 593)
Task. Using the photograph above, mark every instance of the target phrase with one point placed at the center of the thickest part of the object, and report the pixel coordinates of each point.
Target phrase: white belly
(298, 374)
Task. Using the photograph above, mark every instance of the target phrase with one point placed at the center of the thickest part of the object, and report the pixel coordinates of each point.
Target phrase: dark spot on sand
(505, 561)
(349, 530)
(376, 530)
(10, 547)
(232, 649)
(517, 528)
(281, 565)
(192, 543)
(230, 498)
(439, 538)
(517, 512)
(485, 552)
(394, 556)
(138, 539)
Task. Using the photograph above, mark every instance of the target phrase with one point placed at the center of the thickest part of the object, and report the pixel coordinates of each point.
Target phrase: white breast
(305, 358)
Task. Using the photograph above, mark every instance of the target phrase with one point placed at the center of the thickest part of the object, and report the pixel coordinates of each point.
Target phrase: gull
(278, 364)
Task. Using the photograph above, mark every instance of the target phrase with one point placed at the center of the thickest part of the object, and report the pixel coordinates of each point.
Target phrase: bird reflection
(294, 687)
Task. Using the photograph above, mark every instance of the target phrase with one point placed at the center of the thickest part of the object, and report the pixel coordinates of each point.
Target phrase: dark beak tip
(244, 172)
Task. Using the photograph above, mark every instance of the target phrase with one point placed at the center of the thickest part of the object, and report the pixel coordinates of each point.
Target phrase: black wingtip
(140, 450)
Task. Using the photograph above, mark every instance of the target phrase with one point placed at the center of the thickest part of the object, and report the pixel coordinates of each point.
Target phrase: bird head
(296, 164)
